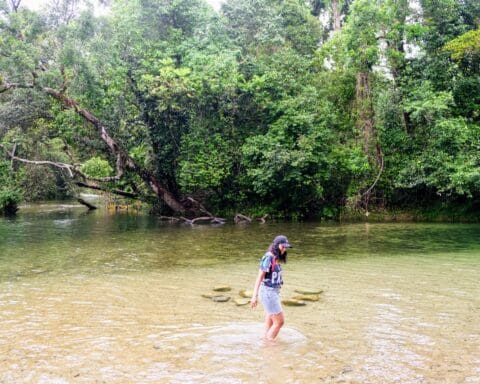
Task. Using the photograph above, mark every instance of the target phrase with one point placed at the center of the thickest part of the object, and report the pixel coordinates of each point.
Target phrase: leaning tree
(102, 85)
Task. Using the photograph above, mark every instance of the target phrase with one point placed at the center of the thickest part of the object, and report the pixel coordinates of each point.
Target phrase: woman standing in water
(268, 284)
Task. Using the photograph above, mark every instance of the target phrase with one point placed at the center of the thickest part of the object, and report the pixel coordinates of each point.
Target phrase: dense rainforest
(293, 108)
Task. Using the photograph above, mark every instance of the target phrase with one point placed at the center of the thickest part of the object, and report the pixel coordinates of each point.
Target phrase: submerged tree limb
(86, 203)
(239, 218)
(210, 219)
(263, 219)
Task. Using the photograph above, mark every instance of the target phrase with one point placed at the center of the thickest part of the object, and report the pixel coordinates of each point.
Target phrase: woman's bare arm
(253, 301)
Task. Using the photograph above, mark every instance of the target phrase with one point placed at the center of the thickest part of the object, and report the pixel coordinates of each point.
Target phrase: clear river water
(102, 298)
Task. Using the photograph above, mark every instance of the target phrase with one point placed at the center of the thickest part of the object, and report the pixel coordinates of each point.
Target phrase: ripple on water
(45, 379)
(231, 351)
(64, 222)
(236, 337)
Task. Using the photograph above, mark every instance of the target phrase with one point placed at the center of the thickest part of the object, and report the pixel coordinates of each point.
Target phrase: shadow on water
(231, 350)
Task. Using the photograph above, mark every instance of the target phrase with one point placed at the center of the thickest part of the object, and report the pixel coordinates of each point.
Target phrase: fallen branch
(169, 218)
(211, 219)
(240, 218)
(73, 169)
(113, 191)
(69, 167)
(86, 203)
(200, 207)
(13, 152)
(263, 219)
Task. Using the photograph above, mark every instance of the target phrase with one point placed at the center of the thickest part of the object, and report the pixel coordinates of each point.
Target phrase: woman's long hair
(273, 248)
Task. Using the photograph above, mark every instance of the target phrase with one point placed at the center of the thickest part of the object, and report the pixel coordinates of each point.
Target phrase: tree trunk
(91, 207)
(366, 126)
(364, 110)
(336, 16)
(365, 118)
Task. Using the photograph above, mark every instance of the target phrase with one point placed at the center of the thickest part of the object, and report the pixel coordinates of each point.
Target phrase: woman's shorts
(270, 298)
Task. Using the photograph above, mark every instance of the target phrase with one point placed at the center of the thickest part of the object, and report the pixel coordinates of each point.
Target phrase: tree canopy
(284, 107)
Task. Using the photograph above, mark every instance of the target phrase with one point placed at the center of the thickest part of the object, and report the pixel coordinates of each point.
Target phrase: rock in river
(221, 299)
(306, 291)
(222, 288)
(293, 303)
(307, 297)
(240, 302)
(215, 297)
(245, 293)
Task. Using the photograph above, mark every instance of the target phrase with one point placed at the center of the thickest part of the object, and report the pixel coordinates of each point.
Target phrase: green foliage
(170, 87)
(360, 34)
(426, 106)
(466, 46)
(254, 24)
(9, 199)
(290, 164)
(42, 183)
(302, 30)
(97, 167)
(466, 94)
(256, 108)
(466, 50)
(448, 161)
(204, 164)
(261, 27)
(10, 193)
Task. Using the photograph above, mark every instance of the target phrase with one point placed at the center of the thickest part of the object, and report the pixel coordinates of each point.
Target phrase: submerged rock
(307, 297)
(293, 303)
(245, 293)
(306, 291)
(240, 302)
(222, 288)
(215, 297)
(220, 299)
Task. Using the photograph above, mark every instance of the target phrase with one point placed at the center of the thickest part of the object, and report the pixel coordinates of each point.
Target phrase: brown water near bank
(86, 299)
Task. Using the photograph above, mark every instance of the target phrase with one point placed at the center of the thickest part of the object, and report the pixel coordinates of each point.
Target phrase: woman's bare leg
(278, 321)
(268, 323)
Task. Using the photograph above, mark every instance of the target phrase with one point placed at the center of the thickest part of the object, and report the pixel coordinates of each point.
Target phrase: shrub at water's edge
(442, 213)
(10, 191)
(9, 200)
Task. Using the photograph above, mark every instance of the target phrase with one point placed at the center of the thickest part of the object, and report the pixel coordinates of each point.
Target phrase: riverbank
(435, 214)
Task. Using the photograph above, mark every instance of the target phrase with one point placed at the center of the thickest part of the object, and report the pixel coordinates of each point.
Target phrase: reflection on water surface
(88, 298)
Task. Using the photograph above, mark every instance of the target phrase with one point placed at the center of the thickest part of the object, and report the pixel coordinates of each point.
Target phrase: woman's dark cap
(282, 240)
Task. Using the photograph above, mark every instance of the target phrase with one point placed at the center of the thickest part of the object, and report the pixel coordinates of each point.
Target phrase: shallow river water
(99, 298)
